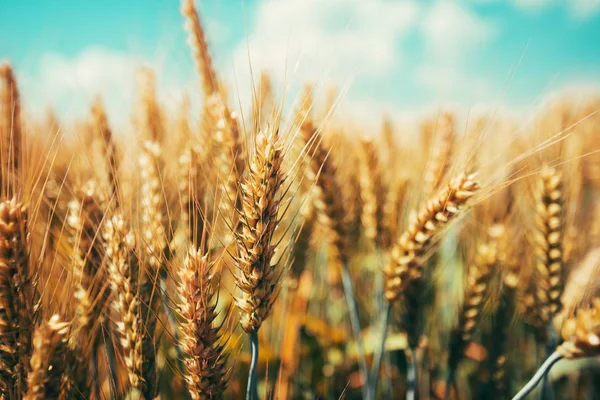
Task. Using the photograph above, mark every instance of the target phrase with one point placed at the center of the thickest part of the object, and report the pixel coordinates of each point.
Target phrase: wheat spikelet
(47, 360)
(124, 275)
(548, 240)
(104, 132)
(479, 277)
(206, 360)
(440, 155)
(18, 298)
(407, 255)
(10, 128)
(371, 191)
(257, 275)
(582, 333)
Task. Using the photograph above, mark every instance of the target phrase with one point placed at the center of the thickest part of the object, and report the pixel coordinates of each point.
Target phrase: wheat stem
(378, 358)
(251, 390)
(355, 322)
(539, 375)
(411, 375)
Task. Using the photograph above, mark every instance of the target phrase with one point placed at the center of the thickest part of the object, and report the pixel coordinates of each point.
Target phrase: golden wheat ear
(18, 298)
(47, 360)
(479, 276)
(206, 371)
(83, 221)
(11, 131)
(549, 243)
(582, 333)
(408, 254)
(257, 276)
(326, 190)
(220, 126)
(372, 192)
(124, 275)
(109, 148)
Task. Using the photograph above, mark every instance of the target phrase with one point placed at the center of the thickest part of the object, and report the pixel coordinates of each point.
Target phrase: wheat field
(282, 253)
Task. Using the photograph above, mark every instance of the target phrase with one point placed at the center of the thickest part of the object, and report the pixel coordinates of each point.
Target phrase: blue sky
(403, 55)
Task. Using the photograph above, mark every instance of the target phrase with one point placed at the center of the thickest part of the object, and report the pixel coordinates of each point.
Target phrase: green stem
(539, 375)
(411, 375)
(449, 379)
(355, 322)
(251, 390)
(378, 358)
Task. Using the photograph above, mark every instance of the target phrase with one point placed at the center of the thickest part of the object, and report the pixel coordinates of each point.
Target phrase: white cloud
(70, 83)
(533, 5)
(328, 40)
(584, 8)
(451, 33)
(449, 29)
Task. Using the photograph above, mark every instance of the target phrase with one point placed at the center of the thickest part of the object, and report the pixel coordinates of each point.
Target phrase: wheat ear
(404, 271)
(10, 129)
(372, 192)
(155, 243)
(18, 298)
(123, 266)
(407, 257)
(83, 221)
(204, 351)
(331, 216)
(479, 278)
(582, 339)
(109, 148)
(199, 47)
(549, 242)
(47, 360)
(257, 274)
(220, 124)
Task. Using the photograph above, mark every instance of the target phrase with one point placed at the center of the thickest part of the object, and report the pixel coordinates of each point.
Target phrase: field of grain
(285, 254)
